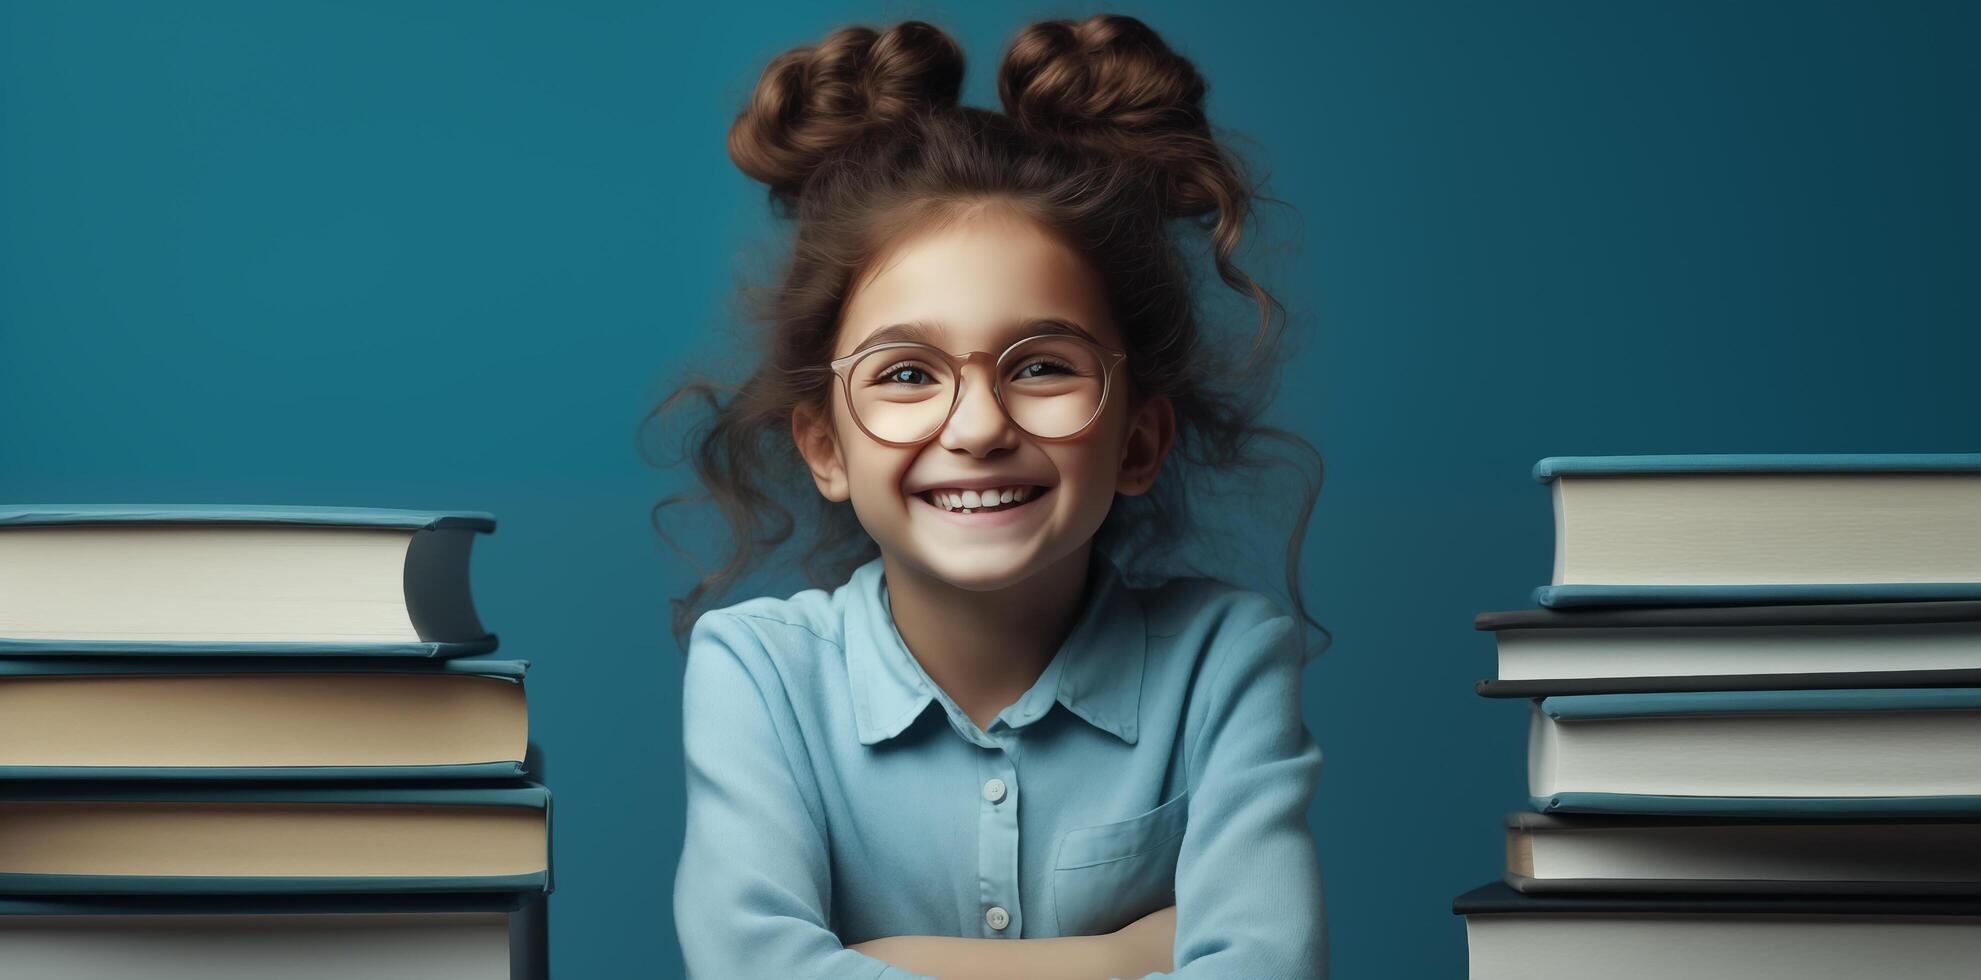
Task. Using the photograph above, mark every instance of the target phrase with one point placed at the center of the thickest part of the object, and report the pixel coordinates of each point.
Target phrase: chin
(979, 569)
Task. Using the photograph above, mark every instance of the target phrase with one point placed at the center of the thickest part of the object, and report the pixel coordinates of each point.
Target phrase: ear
(1151, 431)
(812, 432)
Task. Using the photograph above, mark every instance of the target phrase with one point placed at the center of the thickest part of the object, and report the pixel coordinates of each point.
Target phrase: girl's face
(980, 283)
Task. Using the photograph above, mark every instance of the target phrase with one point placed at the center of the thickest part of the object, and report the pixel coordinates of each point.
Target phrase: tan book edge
(1519, 852)
(289, 719)
(89, 837)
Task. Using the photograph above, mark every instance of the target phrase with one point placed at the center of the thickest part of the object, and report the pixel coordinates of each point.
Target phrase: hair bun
(1110, 83)
(816, 98)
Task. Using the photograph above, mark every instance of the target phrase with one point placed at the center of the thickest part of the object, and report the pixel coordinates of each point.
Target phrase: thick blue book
(1815, 753)
(1758, 528)
(262, 580)
(235, 838)
(282, 718)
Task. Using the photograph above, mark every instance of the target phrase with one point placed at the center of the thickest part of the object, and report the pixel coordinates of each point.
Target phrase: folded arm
(1139, 947)
(751, 891)
(1248, 881)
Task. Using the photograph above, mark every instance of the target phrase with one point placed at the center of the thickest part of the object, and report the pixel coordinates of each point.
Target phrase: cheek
(876, 473)
(1090, 472)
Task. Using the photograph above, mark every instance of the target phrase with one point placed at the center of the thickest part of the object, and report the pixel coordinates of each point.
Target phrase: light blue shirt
(1159, 759)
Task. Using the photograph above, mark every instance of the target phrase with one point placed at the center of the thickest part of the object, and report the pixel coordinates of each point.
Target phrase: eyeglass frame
(842, 366)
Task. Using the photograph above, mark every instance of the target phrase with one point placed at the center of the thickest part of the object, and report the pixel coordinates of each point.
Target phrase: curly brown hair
(1103, 139)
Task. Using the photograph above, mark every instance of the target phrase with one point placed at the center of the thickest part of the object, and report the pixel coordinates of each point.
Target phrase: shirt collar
(1096, 673)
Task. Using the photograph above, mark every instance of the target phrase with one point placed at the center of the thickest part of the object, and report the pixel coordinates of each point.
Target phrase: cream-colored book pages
(224, 583)
(314, 946)
(1768, 528)
(1720, 947)
(78, 837)
(1936, 852)
(1846, 754)
(1711, 651)
(273, 719)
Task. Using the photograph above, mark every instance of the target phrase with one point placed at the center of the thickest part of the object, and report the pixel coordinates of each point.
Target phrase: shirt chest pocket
(1111, 874)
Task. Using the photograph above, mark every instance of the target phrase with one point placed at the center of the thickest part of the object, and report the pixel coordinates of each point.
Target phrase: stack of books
(1755, 724)
(260, 742)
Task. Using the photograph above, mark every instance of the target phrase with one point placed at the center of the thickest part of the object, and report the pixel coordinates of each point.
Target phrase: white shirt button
(994, 791)
(996, 917)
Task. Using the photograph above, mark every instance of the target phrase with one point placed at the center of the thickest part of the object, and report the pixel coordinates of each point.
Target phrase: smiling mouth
(1031, 494)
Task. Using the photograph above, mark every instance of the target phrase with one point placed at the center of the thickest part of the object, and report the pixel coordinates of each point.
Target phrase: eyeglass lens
(1052, 386)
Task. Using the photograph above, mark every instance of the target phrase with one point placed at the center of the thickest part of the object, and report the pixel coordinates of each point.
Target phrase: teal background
(444, 255)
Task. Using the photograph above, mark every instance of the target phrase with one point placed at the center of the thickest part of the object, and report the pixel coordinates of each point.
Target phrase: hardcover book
(261, 718)
(204, 580)
(1602, 853)
(1903, 751)
(1754, 529)
(1728, 648)
(1511, 936)
(463, 936)
(220, 838)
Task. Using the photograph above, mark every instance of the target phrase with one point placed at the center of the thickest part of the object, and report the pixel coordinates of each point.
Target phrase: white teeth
(970, 501)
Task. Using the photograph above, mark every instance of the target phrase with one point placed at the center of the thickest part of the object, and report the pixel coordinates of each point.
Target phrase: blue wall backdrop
(444, 255)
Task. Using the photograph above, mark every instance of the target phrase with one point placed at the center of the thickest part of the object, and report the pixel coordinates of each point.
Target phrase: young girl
(985, 753)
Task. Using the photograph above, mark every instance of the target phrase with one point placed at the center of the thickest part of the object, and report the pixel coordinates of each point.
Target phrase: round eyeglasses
(1053, 386)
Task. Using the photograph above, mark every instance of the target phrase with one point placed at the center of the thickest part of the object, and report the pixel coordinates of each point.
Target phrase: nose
(978, 424)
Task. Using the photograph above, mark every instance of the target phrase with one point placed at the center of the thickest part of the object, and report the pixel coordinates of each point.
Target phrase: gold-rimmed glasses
(1052, 386)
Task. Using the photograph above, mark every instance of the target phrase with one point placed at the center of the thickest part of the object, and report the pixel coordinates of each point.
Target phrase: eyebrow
(925, 331)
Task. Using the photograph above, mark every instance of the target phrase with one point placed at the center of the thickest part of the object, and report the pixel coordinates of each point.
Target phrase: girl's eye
(1049, 366)
(905, 372)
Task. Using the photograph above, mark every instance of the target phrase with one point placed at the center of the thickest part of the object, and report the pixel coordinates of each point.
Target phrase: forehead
(977, 281)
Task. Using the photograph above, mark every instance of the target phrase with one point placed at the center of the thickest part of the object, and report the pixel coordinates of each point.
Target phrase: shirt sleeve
(1248, 879)
(754, 880)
